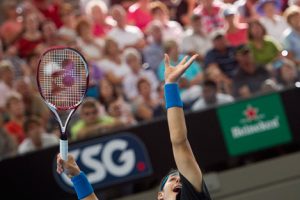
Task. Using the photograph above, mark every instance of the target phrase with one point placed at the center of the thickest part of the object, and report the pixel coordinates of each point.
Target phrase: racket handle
(63, 148)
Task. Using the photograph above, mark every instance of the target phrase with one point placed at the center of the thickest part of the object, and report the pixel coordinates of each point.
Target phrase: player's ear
(160, 196)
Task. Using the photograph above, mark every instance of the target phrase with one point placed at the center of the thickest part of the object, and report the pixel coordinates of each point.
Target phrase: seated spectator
(11, 26)
(90, 47)
(36, 137)
(171, 30)
(246, 10)
(92, 121)
(139, 14)
(287, 74)
(67, 31)
(121, 111)
(210, 97)
(34, 105)
(6, 82)
(16, 113)
(292, 36)
(153, 53)
(263, 47)
(134, 61)
(224, 84)
(112, 64)
(221, 56)
(195, 40)
(271, 19)
(146, 107)
(50, 36)
(211, 12)
(250, 77)
(31, 37)
(97, 11)
(236, 32)
(125, 35)
(8, 145)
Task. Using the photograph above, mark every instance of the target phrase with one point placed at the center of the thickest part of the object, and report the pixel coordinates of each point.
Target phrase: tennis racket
(62, 78)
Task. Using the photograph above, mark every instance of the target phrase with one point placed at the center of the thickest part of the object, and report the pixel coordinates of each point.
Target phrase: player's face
(171, 189)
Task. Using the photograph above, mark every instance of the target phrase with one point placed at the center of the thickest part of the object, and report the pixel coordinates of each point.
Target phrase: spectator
(139, 14)
(8, 145)
(171, 30)
(101, 24)
(92, 122)
(134, 61)
(236, 32)
(292, 36)
(6, 82)
(271, 19)
(221, 56)
(250, 76)
(50, 36)
(121, 110)
(146, 106)
(211, 12)
(112, 64)
(195, 40)
(247, 10)
(287, 74)
(36, 137)
(184, 12)
(263, 47)
(125, 35)
(16, 112)
(34, 105)
(30, 38)
(89, 46)
(153, 52)
(211, 97)
(50, 10)
(67, 31)
(108, 92)
(11, 26)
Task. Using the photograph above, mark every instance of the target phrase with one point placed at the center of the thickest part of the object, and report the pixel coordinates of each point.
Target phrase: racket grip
(63, 148)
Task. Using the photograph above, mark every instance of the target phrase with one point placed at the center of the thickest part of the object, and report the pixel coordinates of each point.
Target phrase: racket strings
(63, 77)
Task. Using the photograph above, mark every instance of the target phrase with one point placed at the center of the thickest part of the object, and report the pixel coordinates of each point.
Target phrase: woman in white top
(112, 63)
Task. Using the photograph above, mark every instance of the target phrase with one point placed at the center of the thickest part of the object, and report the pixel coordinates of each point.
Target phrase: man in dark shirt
(186, 183)
(249, 77)
(221, 55)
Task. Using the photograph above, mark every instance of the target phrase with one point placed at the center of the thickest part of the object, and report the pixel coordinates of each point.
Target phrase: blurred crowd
(245, 48)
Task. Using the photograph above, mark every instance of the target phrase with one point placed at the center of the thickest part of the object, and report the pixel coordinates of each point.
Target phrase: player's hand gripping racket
(62, 79)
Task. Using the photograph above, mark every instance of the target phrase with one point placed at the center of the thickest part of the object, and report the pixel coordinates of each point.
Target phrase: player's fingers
(167, 60)
(189, 62)
(183, 60)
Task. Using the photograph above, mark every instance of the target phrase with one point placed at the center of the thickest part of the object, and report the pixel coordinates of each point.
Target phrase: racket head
(62, 77)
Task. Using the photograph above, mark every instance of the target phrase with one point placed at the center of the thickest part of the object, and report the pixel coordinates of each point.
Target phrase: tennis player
(185, 183)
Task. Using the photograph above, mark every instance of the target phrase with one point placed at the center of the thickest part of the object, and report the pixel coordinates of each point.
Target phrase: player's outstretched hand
(70, 167)
(172, 74)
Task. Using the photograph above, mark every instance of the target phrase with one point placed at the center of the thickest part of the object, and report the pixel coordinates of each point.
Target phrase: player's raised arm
(183, 155)
(81, 184)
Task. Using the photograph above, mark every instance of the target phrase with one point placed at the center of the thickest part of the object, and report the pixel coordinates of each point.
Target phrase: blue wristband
(82, 186)
(172, 96)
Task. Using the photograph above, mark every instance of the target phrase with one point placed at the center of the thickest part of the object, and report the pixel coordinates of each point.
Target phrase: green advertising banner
(254, 124)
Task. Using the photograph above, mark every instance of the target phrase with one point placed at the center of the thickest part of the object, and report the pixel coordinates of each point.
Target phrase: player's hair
(165, 178)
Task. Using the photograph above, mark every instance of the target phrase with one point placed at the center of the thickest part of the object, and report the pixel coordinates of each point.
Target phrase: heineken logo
(251, 113)
(254, 124)
(258, 127)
